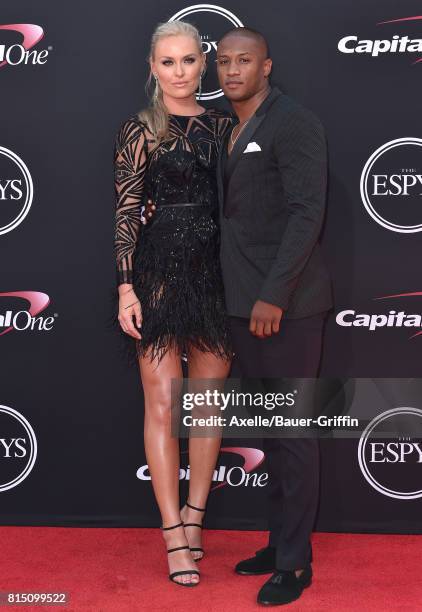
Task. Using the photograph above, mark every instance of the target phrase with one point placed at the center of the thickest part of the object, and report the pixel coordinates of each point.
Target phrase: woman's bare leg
(203, 451)
(162, 453)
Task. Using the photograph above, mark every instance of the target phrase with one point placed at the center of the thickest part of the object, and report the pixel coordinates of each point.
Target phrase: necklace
(238, 134)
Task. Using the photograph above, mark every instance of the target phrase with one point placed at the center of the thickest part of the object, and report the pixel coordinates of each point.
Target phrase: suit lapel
(247, 133)
(226, 163)
(240, 144)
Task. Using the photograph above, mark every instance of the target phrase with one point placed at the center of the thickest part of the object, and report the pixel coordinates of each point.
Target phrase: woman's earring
(200, 86)
(155, 94)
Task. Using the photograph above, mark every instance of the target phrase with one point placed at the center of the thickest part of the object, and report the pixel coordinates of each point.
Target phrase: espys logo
(16, 190)
(19, 319)
(376, 47)
(18, 448)
(391, 185)
(390, 453)
(212, 21)
(234, 476)
(391, 319)
(17, 53)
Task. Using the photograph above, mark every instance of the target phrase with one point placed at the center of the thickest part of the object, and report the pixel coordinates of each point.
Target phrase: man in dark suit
(272, 187)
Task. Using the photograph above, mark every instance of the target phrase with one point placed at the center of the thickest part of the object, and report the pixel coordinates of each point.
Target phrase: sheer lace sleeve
(224, 124)
(130, 156)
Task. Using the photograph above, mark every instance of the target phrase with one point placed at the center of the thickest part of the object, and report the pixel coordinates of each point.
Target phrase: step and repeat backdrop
(71, 408)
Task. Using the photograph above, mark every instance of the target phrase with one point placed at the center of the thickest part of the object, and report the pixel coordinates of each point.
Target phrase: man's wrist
(273, 300)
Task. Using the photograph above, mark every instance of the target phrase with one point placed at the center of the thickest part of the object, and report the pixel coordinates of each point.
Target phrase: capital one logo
(18, 448)
(16, 190)
(14, 317)
(390, 453)
(375, 47)
(16, 53)
(212, 21)
(393, 319)
(234, 476)
(391, 185)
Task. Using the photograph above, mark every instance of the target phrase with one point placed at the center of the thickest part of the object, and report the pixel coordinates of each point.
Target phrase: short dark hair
(251, 33)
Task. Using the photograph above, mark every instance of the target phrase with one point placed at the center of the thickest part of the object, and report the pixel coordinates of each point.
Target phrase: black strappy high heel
(181, 572)
(197, 548)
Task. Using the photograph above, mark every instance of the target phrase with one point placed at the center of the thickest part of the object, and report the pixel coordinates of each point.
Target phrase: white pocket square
(252, 146)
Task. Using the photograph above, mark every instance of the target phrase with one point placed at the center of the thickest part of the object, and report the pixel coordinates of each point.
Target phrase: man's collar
(273, 93)
(268, 100)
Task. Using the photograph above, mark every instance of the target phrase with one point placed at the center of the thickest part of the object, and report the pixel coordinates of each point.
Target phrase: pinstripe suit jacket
(272, 204)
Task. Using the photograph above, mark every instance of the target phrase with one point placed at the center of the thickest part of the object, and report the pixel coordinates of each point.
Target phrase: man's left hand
(265, 319)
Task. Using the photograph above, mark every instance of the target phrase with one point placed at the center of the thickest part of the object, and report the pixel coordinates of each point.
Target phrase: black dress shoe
(284, 587)
(262, 563)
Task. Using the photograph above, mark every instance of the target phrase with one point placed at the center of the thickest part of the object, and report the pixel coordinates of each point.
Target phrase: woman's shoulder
(224, 121)
(130, 129)
(220, 114)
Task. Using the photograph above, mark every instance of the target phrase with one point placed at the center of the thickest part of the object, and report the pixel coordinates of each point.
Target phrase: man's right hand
(147, 212)
(265, 319)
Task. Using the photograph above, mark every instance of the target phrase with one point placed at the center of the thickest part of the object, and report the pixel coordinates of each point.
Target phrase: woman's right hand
(129, 307)
(148, 211)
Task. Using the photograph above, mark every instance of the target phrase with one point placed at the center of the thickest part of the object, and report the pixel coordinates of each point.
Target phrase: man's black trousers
(292, 463)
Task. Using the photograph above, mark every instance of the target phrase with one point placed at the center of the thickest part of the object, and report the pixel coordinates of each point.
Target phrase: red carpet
(125, 570)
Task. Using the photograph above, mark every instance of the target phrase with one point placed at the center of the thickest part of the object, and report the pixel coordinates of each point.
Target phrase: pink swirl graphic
(253, 457)
(31, 35)
(399, 295)
(37, 300)
(402, 19)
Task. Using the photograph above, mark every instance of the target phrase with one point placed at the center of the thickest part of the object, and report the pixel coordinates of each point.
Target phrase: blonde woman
(171, 296)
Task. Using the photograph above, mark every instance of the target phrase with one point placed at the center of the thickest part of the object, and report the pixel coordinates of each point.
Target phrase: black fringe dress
(173, 261)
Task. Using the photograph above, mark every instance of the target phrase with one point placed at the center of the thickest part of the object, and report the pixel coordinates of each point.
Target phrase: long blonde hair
(156, 116)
